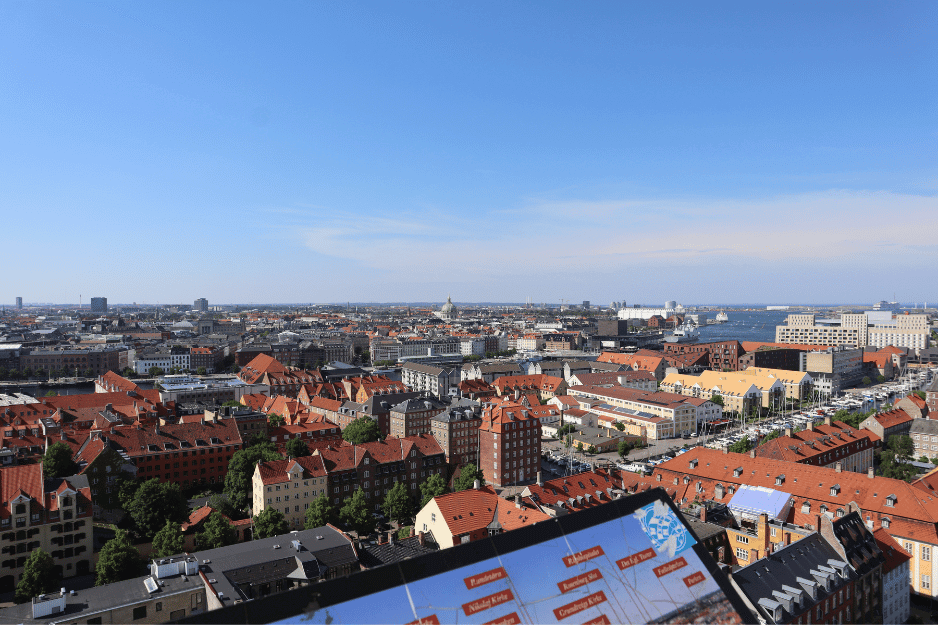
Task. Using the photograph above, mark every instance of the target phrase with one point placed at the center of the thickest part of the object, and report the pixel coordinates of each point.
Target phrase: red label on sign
(602, 619)
(693, 579)
(488, 577)
(485, 603)
(508, 619)
(583, 556)
(426, 620)
(579, 605)
(670, 567)
(636, 558)
(580, 580)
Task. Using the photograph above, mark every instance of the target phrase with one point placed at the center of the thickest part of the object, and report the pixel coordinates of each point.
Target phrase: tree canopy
(297, 448)
(467, 477)
(275, 419)
(57, 461)
(362, 430)
(717, 399)
(154, 503)
(216, 532)
(241, 470)
(39, 576)
(433, 486)
(319, 513)
(397, 505)
(169, 541)
(901, 445)
(118, 560)
(355, 513)
(270, 522)
(741, 446)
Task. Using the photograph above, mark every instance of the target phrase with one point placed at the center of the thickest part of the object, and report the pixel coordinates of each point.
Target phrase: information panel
(639, 567)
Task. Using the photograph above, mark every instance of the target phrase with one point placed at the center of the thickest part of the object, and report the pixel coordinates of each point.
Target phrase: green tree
(741, 446)
(397, 505)
(57, 461)
(355, 513)
(155, 372)
(620, 426)
(221, 504)
(900, 445)
(39, 577)
(467, 477)
(231, 403)
(404, 532)
(241, 470)
(154, 504)
(880, 378)
(890, 466)
(770, 436)
(118, 560)
(217, 532)
(920, 394)
(591, 449)
(579, 447)
(319, 513)
(362, 430)
(925, 459)
(433, 486)
(717, 399)
(169, 541)
(624, 448)
(275, 419)
(201, 371)
(127, 372)
(270, 522)
(866, 380)
(51, 394)
(297, 448)
(127, 486)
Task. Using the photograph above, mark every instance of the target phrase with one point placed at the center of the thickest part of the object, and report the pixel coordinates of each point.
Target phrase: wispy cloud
(578, 240)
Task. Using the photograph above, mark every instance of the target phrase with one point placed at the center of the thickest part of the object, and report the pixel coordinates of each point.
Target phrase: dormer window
(806, 507)
(835, 490)
(891, 501)
(19, 508)
(885, 522)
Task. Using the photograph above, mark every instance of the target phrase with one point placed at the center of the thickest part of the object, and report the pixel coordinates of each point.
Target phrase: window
(159, 606)
(926, 582)
(742, 553)
(926, 553)
(742, 539)
(140, 613)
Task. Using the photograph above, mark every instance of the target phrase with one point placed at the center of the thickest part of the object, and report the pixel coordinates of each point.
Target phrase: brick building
(721, 355)
(509, 443)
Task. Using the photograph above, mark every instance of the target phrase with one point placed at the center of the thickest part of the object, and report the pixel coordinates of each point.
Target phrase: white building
(645, 313)
(895, 582)
(472, 347)
(164, 360)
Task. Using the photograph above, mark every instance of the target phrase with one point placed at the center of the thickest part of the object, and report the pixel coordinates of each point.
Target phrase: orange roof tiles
(472, 510)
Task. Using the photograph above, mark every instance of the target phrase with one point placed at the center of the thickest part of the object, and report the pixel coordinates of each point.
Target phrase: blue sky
(321, 152)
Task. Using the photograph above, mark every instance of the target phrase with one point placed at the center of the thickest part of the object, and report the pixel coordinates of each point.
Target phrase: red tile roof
(472, 510)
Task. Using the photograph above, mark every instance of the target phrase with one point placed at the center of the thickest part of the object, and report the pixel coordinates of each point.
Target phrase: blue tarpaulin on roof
(756, 500)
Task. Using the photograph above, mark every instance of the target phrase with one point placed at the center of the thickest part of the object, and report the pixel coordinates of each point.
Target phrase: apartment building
(656, 415)
(457, 431)
(374, 467)
(429, 379)
(52, 514)
(872, 328)
(834, 369)
(739, 394)
(721, 355)
(412, 417)
(509, 443)
(98, 360)
(289, 486)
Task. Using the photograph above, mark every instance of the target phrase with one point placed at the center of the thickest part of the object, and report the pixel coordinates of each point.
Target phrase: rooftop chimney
(421, 539)
(810, 425)
(518, 500)
(788, 432)
(540, 478)
(476, 485)
(827, 420)
(870, 473)
(838, 467)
